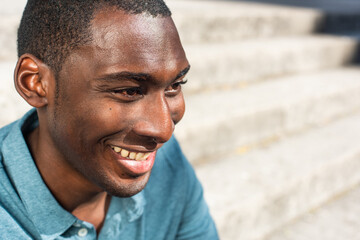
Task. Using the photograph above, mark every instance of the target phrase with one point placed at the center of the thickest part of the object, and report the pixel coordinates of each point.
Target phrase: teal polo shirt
(171, 206)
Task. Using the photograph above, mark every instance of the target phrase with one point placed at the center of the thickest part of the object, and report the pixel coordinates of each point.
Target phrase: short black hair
(51, 29)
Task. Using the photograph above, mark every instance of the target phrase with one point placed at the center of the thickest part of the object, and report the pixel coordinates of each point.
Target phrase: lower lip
(136, 168)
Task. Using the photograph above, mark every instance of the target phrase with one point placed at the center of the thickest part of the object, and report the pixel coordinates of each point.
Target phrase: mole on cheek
(110, 109)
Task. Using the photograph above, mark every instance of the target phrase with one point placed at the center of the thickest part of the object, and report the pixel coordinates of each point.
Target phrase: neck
(94, 211)
(75, 194)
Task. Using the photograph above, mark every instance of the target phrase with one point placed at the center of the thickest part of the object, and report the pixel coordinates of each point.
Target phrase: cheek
(177, 108)
(102, 119)
(85, 123)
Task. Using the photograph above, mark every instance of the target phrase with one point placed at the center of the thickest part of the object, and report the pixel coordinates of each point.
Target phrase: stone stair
(254, 193)
(273, 108)
(247, 116)
(200, 22)
(273, 104)
(336, 220)
(248, 61)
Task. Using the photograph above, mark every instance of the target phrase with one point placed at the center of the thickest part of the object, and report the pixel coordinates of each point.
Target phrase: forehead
(135, 39)
(111, 23)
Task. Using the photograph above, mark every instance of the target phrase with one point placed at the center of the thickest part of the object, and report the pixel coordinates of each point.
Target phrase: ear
(32, 79)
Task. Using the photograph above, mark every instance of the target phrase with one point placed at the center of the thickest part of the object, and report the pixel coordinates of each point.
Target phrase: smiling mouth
(137, 156)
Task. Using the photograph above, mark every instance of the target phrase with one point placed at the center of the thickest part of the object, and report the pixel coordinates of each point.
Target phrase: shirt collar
(129, 209)
(47, 215)
(132, 206)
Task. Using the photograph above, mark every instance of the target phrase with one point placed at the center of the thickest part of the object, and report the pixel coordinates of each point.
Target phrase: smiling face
(119, 100)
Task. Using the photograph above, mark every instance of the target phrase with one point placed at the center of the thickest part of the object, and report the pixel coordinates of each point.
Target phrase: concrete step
(10, 14)
(227, 65)
(253, 194)
(12, 8)
(221, 121)
(11, 104)
(8, 31)
(337, 220)
(219, 21)
(338, 16)
(224, 21)
(327, 6)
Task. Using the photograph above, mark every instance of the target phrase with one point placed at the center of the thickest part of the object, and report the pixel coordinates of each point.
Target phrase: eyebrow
(137, 76)
(182, 73)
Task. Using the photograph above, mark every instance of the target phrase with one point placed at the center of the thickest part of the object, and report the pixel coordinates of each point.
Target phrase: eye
(175, 88)
(131, 93)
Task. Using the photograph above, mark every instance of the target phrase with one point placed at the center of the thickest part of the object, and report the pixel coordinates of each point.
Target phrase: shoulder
(10, 226)
(174, 196)
(171, 164)
(172, 156)
(14, 219)
(4, 132)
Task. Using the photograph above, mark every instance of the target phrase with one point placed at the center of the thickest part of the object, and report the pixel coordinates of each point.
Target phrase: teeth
(138, 156)
(124, 153)
(132, 155)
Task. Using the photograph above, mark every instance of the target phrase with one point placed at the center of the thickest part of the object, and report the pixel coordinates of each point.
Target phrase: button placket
(76, 224)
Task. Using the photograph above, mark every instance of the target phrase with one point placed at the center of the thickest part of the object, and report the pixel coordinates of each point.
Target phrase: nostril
(155, 132)
(151, 145)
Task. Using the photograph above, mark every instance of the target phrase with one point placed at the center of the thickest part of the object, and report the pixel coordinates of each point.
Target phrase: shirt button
(82, 232)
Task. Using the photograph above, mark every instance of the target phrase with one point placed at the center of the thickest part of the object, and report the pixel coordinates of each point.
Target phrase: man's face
(119, 98)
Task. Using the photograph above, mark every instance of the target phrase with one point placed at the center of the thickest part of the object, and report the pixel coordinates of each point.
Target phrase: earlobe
(29, 80)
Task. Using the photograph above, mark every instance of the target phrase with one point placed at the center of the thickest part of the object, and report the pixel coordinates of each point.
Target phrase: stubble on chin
(126, 188)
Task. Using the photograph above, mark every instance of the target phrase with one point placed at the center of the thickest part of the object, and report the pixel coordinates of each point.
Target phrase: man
(105, 78)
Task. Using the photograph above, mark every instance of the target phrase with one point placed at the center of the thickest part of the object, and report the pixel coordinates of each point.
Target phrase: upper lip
(132, 149)
(132, 155)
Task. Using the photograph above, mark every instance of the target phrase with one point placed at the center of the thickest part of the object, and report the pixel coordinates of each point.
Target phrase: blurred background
(273, 112)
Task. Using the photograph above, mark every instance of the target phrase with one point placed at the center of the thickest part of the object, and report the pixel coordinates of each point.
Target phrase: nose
(156, 122)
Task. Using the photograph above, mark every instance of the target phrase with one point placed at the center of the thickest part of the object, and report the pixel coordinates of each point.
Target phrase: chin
(126, 189)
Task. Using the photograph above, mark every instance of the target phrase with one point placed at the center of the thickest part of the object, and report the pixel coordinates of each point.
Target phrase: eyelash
(178, 86)
(134, 93)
